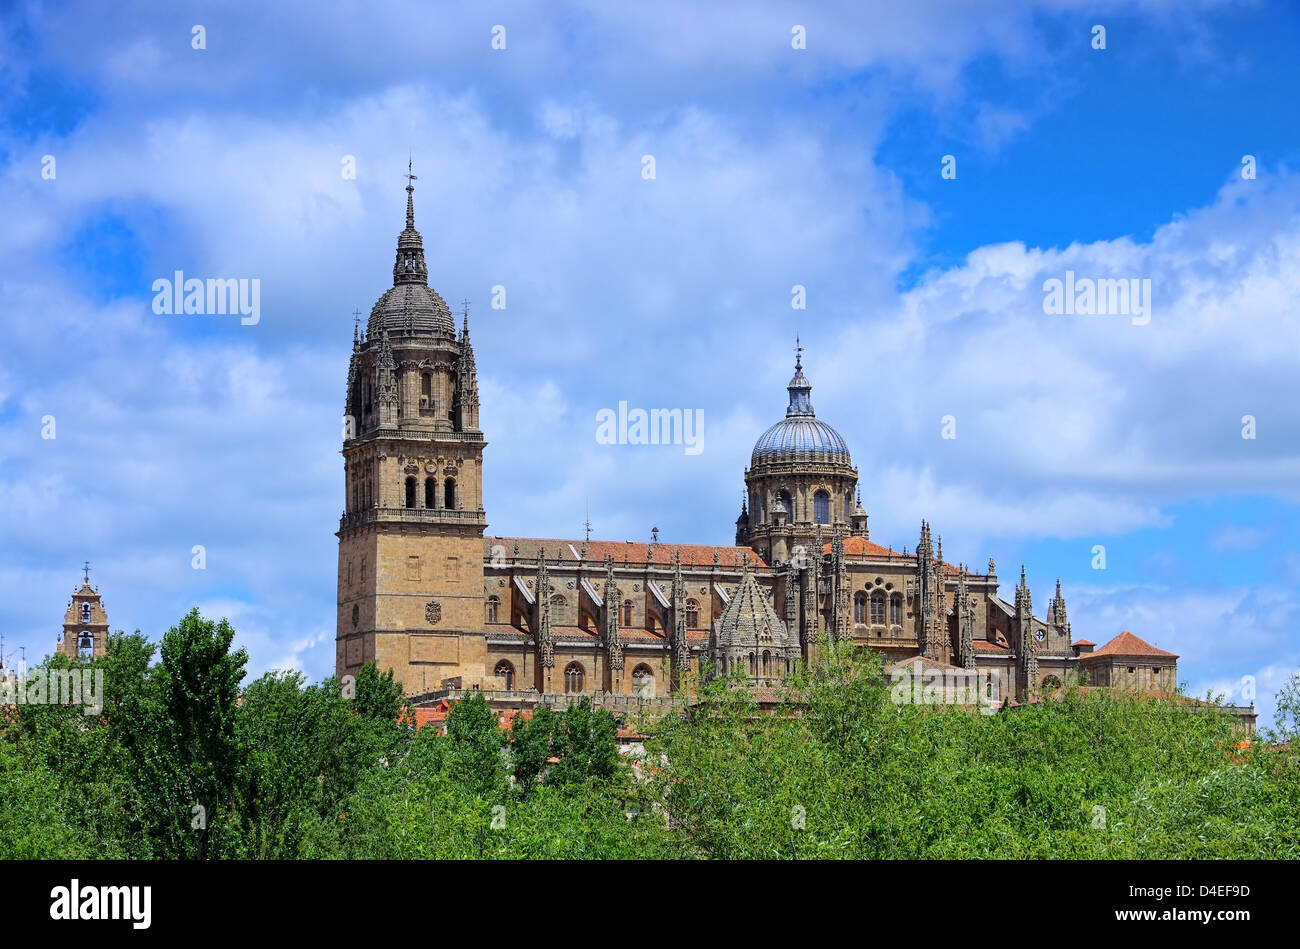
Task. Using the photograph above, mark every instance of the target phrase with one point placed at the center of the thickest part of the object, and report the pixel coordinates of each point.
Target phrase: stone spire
(613, 601)
(1027, 646)
(386, 382)
(930, 641)
(409, 266)
(965, 623)
(466, 402)
(545, 640)
(681, 650)
(1056, 611)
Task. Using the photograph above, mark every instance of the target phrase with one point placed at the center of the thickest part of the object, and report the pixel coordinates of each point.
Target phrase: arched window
(860, 608)
(410, 492)
(573, 677)
(558, 603)
(627, 613)
(643, 681)
(896, 610)
(877, 609)
(692, 614)
(449, 494)
(753, 662)
(784, 502)
(767, 663)
(822, 507)
(492, 606)
(426, 392)
(430, 493)
(85, 612)
(85, 645)
(506, 671)
(1051, 683)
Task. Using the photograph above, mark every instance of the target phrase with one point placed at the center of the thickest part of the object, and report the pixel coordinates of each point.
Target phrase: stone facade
(85, 625)
(424, 591)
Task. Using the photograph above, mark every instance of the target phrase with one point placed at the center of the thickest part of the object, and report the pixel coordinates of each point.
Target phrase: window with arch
(878, 609)
(426, 390)
(627, 613)
(573, 677)
(85, 612)
(643, 681)
(85, 645)
(822, 507)
(896, 610)
(430, 493)
(860, 608)
(753, 663)
(1051, 683)
(767, 663)
(449, 494)
(692, 614)
(505, 671)
(410, 492)
(783, 501)
(493, 607)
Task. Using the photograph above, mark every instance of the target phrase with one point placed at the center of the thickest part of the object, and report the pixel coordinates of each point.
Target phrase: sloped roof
(861, 547)
(699, 555)
(1126, 644)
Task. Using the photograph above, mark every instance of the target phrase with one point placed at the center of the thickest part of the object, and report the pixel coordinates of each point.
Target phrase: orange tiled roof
(1126, 644)
(860, 546)
(983, 645)
(1084, 642)
(635, 552)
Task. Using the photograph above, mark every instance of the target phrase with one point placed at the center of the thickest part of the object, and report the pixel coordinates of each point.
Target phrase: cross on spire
(410, 177)
(86, 569)
(798, 353)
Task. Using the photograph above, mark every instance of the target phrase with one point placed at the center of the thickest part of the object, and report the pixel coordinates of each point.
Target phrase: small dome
(801, 432)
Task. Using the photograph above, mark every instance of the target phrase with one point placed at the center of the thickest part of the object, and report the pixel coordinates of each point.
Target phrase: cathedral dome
(801, 433)
(414, 307)
(411, 306)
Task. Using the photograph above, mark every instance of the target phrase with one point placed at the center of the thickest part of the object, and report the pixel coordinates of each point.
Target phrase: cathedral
(424, 591)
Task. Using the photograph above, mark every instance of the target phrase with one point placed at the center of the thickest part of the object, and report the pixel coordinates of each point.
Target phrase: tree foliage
(280, 768)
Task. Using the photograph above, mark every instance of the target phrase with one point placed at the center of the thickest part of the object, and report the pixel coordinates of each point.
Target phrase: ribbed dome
(801, 432)
(411, 305)
(803, 435)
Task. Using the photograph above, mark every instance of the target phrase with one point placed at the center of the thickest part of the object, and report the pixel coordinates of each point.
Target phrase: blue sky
(774, 167)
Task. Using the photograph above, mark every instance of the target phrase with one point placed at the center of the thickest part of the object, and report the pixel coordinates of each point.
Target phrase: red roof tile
(701, 555)
(1126, 644)
(860, 546)
(1084, 642)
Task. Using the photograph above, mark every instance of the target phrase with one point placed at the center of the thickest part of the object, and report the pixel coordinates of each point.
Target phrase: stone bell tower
(85, 624)
(410, 584)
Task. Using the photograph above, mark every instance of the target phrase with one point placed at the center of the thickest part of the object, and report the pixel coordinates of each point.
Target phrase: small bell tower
(85, 624)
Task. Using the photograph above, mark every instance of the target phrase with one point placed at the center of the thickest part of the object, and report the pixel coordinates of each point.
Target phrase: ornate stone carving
(433, 612)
